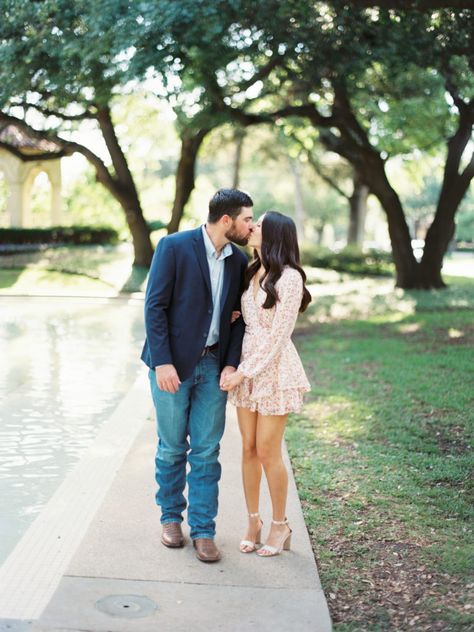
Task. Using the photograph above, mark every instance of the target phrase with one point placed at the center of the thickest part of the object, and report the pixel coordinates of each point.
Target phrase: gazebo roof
(26, 143)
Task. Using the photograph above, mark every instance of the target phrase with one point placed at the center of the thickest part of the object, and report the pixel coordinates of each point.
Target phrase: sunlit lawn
(33, 281)
(383, 454)
(66, 269)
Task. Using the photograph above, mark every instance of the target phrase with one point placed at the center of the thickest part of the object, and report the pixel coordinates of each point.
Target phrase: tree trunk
(142, 246)
(354, 145)
(295, 168)
(405, 263)
(357, 211)
(122, 186)
(453, 189)
(320, 233)
(370, 167)
(185, 173)
(239, 141)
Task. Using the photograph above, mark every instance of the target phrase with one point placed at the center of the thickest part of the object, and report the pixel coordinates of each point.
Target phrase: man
(191, 344)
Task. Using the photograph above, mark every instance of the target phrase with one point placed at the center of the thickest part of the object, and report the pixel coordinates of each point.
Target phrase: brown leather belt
(210, 348)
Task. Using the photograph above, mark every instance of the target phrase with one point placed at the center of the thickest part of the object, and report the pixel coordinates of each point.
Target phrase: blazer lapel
(227, 278)
(198, 244)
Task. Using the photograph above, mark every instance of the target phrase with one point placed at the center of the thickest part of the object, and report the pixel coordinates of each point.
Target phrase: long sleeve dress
(274, 378)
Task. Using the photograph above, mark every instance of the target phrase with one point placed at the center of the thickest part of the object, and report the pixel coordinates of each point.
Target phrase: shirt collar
(210, 248)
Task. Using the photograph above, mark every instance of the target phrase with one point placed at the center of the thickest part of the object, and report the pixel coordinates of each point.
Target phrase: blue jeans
(190, 425)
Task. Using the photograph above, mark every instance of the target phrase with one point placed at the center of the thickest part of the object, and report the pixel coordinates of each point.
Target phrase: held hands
(235, 314)
(167, 378)
(230, 378)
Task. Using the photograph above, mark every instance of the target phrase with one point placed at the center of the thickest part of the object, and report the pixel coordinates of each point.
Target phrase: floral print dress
(274, 378)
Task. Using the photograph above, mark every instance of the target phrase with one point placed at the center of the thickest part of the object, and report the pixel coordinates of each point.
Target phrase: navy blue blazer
(178, 304)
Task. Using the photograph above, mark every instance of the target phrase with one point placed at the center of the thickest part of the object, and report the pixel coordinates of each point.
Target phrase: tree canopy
(365, 80)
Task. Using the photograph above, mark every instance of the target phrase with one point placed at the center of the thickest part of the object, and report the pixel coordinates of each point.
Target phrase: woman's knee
(267, 454)
(249, 449)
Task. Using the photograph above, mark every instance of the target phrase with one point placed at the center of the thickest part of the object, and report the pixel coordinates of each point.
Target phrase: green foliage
(465, 220)
(89, 203)
(372, 262)
(67, 50)
(382, 457)
(156, 225)
(78, 235)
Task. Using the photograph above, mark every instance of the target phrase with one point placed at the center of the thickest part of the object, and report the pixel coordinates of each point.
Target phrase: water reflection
(64, 367)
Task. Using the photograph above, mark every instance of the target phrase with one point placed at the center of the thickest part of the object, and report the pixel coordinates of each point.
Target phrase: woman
(270, 380)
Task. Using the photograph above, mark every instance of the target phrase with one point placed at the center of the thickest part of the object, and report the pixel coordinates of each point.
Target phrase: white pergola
(20, 169)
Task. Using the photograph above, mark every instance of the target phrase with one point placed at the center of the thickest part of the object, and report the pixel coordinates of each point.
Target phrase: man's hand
(167, 378)
(231, 379)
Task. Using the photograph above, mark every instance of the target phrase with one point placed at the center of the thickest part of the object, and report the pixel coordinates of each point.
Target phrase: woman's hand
(231, 380)
(235, 314)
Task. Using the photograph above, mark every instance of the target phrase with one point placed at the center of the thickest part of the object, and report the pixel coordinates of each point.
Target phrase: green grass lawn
(31, 281)
(94, 270)
(382, 454)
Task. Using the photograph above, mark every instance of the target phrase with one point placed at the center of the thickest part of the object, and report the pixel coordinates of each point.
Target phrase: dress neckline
(259, 287)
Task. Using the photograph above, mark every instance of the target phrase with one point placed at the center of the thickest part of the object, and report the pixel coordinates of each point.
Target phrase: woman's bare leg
(251, 470)
(270, 430)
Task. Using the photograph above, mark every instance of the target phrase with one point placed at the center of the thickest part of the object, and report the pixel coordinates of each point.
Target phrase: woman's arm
(290, 292)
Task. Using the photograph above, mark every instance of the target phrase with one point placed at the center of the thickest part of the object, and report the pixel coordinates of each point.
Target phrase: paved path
(92, 560)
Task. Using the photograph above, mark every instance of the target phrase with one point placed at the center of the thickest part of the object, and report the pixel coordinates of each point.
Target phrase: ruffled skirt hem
(281, 402)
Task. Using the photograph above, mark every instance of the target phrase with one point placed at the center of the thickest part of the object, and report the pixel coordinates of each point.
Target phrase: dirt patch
(386, 584)
(450, 438)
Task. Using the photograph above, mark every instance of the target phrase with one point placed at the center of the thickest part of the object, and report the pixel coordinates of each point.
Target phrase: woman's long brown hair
(279, 249)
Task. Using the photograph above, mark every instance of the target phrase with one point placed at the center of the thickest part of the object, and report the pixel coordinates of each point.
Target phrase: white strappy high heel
(283, 545)
(247, 546)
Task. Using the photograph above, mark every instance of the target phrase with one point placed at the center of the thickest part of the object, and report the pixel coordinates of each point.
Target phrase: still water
(65, 364)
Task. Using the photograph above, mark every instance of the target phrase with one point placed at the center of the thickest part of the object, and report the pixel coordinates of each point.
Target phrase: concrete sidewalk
(122, 579)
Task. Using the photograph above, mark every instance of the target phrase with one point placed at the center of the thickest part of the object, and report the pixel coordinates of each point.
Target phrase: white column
(54, 173)
(30, 171)
(15, 203)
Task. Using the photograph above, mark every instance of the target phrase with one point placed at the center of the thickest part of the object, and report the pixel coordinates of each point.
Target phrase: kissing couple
(218, 327)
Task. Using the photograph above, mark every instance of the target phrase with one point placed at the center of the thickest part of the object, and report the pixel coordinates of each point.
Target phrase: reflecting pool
(65, 364)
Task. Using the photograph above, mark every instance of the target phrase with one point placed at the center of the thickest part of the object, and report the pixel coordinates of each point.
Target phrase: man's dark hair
(227, 202)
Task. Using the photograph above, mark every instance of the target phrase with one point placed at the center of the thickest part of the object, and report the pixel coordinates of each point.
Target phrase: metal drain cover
(126, 606)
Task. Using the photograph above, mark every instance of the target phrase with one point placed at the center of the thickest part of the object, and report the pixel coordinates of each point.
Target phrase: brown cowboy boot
(206, 550)
(172, 535)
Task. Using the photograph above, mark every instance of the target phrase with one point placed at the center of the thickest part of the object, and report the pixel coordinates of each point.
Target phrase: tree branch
(47, 112)
(103, 174)
(34, 157)
(263, 72)
(317, 167)
(8, 119)
(347, 122)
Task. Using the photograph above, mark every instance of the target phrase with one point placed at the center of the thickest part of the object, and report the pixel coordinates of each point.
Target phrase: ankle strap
(285, 521)
(254, 515)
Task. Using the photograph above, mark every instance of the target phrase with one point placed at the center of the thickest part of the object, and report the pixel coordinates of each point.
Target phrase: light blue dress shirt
(216, 273)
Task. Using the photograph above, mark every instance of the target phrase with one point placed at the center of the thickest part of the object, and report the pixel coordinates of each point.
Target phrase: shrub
(77, 235)
(372, 262)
